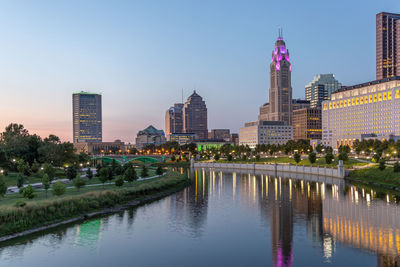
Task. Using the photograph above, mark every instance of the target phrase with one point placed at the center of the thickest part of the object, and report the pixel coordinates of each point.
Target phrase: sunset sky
(140, 54)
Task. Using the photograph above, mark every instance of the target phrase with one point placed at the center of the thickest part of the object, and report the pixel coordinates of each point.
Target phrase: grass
(373, 175)
(41, 211)
(11, 178)
(286, 160)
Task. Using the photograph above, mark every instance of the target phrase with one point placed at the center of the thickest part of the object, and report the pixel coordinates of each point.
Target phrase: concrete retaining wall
(277, 168)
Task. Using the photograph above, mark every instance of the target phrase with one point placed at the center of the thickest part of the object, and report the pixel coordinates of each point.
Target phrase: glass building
(87, 122)
(321, 88)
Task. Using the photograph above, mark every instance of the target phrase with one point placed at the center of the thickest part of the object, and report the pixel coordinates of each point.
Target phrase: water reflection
(226, 216)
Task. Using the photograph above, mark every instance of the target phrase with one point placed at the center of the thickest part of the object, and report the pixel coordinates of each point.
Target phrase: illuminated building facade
(368, 109)
(265, 132)
(321, 88)
(87, 122)
(195, 116)
(181, 138)
(100, 148)
(224, 134)
(307, 124)
(174, 119)
(150, 136)
(387, 45)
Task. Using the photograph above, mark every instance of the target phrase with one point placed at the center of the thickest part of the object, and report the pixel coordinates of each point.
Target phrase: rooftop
(385, 80)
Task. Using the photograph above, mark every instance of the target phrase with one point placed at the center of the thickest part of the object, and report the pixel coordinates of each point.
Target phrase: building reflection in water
(333, 214)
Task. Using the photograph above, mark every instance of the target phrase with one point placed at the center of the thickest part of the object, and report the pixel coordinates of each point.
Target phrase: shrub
(20, 203)
(159, 170)
(79, 182)
(229, 157)
(119, 181)
(144, 172)
(312, 157)
(71, 172)
(103, 175)
(244, 157)
(20, 180)
(216, 157)
(46, 183)
(130, 174)
(28, 192)
(3, 187)
(396, 167)
(343, 156)
(329, 157)
(49, 170)
(89, 173)
(382, 165)
(297, 157)
(58, 189)
(258, 158)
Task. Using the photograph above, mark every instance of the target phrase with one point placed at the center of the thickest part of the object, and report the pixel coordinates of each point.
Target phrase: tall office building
(387, 45)
(195, 116)
(174, 119)
(280, 91)
(321, 88)
(87, 123)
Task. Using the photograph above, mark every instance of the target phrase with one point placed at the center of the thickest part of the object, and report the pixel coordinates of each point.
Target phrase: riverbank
(373, 176)
(44, 214)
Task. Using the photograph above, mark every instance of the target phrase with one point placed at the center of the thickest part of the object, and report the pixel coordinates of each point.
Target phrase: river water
(229, 219)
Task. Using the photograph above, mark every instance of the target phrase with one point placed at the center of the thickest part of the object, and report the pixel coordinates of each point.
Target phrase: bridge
(123, 159)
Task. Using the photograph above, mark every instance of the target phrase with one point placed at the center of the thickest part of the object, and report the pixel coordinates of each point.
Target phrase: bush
(58, 189)
(89, 173)
(312, 157)
(382, 165)
(343, 156)
(297, 157)
(79, 182)
(28, 192)
(20, 203)
(258, 158)
(130, 174)
(244, 157)
(329, 157)
(144, 172)
(396, 167)
(119, 181)
(216, 157)
(20, 180)
(3, 187)
(49, 170)
(71, 173)
(229, 157)
(159, 170)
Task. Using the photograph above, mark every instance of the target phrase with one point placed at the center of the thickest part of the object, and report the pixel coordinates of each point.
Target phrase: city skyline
(73, 54)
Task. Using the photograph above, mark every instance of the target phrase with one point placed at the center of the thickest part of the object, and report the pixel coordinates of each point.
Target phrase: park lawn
(376, 176)
(11, 178)
(40, 194)
(96, 180)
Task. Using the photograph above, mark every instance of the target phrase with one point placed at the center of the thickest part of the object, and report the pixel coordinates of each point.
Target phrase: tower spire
(280, 32)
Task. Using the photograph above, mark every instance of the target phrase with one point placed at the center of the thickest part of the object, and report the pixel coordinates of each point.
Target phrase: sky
(140, 55)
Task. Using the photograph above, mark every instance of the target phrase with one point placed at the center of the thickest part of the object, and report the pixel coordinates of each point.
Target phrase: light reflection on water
(227, 218)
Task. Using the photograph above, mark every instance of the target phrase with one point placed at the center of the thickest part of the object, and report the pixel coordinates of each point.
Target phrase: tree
(58, 188)
(382, 165)
(20, 181)
(258, 158)
(119, 170)
(35, 166)
(49, 170)
(119, 181)
(98, 167)
(297, 157)
(159, 170)
(89, 173)
(46, 183)
(173, 158)
(329, 157)
(79, 182)
(3, 186)
(396, 167)
(71, 173)
(145, 172)
(312, 157)
(103, 175)
(216, 157)
(343, 156)
(28, 192)
(229, 157)
(130, 174)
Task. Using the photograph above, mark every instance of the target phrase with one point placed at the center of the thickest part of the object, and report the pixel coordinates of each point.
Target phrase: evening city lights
(200, 133)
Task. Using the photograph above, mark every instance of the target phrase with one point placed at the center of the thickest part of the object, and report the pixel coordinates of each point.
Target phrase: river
(229, 219)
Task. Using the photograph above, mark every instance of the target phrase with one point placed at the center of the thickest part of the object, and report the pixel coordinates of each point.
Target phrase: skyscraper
(87, 123)
(174, 119)
(280, 91)
(387, 45)
(321, 88)
(195, 116)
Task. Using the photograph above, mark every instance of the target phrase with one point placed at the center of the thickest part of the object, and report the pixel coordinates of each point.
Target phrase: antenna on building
(280, 32)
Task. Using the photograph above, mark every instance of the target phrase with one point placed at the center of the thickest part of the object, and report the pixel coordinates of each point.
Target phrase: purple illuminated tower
(280, 91)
